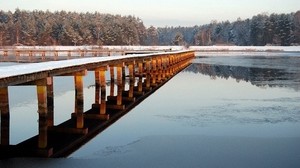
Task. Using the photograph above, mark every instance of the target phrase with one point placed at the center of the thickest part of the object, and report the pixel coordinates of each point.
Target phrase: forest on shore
(45, 28)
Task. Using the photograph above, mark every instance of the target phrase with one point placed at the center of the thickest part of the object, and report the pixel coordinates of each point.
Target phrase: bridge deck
(13, 75)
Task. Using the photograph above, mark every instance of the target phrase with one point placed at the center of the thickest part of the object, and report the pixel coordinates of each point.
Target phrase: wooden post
(50, 101)
(78, 78)
(131, 71)
(148, 76)
(82, 53)
(112, 73)
(55, 55)
(4, 112)
(119, 83)
(153, 72)
(17, 55)
(141, 69)
(97, 86)
(100, 85)
(103, 92)
(69, 54)
(42, 110)
(43, 55)
(159, 71)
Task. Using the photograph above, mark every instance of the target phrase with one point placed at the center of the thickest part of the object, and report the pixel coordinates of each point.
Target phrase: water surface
(239, 111)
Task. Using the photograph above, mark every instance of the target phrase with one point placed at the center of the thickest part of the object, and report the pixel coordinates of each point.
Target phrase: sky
(162, 13)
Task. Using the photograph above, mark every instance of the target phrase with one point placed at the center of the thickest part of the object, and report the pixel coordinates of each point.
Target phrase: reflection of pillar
(120, 85)
(79, 100)
(50, 101)
(4, 112)
(42, 110)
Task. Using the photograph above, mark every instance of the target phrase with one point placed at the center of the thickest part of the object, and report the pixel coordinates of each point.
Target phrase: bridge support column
(131, 68)
(43, 55)
(78, 78)
(153, 72)
(50, 101)
(140, 69)
(103, 92)
(131, 71)
(55, 55)
(159, 71)
(112, 73)
(69, 54)
(17, 55)
(119, 84)
(100, 88)
(4, 112)
(148, 74)
(42, 110)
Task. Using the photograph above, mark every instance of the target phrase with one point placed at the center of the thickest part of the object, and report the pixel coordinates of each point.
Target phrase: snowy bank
(246, 48)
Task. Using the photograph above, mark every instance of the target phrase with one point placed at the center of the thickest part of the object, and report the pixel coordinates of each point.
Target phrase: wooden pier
(40, 55)
(145, 74)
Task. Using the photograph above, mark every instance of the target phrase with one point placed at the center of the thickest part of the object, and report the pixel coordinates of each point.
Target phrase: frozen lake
(231, 111)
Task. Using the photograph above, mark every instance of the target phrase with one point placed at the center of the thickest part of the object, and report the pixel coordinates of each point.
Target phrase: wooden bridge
(145, 74)
(39, 55)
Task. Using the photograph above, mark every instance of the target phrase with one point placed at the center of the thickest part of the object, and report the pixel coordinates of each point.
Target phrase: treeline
(260, 30)
(70, 28)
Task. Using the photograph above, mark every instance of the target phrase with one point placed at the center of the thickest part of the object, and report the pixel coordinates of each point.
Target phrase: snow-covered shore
(246, 48)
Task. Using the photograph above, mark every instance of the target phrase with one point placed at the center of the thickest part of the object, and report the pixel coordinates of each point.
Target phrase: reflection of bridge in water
(150, 72)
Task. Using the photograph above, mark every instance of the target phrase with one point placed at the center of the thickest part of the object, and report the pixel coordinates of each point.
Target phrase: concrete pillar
(42, 110)
(97, 86)
(112, 73)
(18, 55)
(159, 69)
(103, 92)
(69, 54)
(131, 71)
(79, 101)
(141, 69)
(148, 75)
(119, 84)
(100, 87)
(43, 55)
(4, 112)
(153, 71)
(50, 101)
(55, 55)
